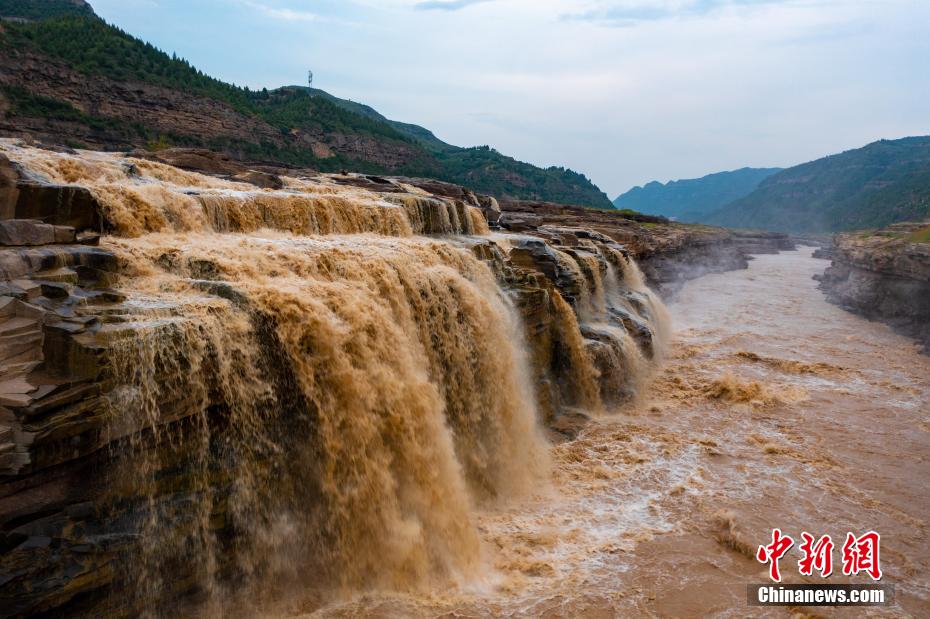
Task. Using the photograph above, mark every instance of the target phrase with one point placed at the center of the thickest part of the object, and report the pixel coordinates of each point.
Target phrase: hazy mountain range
(693, 199)
(869, 187)
(882, 183)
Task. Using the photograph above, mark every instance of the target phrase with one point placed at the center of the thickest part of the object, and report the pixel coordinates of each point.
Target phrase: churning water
(773, 409)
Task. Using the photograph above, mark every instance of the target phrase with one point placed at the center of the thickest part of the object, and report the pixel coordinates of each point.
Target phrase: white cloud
(447, 5)
(632, 12)
(282, 13)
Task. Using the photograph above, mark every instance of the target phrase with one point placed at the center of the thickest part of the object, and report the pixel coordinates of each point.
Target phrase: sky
(624, 91)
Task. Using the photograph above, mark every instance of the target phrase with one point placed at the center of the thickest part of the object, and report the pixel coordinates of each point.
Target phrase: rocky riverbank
(158, 405)
(669, 253)
(884, 275)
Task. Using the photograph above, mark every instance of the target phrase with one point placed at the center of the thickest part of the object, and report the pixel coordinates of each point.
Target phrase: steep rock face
(885, 276)
(53, 417)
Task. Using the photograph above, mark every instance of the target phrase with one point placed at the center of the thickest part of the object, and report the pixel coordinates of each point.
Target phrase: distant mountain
(692, 199)
(67, 76)
(870, 187)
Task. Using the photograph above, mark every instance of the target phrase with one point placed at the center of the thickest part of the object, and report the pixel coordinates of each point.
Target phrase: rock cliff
(884, 275)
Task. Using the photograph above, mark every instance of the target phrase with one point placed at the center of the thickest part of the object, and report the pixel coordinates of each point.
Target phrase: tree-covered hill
(67, 75)
(692, 199)
(42, 9)
(869, 187)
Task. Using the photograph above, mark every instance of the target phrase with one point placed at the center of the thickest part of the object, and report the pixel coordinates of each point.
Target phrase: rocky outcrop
(884, 275)
(196, 159)
(668, 253)
(564, 283)
(54, 296)
(25, 199)
(218, 164)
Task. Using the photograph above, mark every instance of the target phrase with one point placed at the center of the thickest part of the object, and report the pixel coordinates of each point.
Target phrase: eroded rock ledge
(884, 275)
(669, 253)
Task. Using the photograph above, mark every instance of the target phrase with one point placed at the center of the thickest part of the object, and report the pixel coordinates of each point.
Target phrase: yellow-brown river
(772, 409)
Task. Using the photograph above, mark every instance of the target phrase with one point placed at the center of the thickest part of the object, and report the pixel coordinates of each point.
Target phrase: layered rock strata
(668, 253)
(884, 275)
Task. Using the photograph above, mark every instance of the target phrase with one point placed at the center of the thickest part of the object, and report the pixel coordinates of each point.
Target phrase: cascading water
(141, 197)
(427, 215)
(314, 396)
(414, 399)
(651, 307)
(584, 375)
(620, 316)
(160, 368)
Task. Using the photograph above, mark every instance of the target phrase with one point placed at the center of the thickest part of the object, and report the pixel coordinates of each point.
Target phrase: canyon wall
(884, 275)
(213, 388)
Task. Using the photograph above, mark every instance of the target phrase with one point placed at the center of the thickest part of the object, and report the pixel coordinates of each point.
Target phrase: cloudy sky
(625, 91)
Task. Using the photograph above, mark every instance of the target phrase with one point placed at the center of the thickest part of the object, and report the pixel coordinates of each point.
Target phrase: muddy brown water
(773, 409)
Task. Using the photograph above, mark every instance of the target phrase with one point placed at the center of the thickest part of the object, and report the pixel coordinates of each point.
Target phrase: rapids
(773, 409)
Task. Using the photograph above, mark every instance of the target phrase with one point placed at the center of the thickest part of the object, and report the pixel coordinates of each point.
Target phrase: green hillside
(43, 9)
(357, 137)
(420, 134)
(692, 199)
(870, 187)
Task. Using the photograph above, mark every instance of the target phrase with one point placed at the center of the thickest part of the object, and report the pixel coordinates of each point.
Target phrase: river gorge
(348, 395)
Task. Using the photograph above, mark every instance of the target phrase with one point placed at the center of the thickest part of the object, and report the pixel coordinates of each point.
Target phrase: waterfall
(141, 197)
(414, 399)
(305, 390)
(163, 404)
(620, 317)
(654, 309)
(583, 375)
